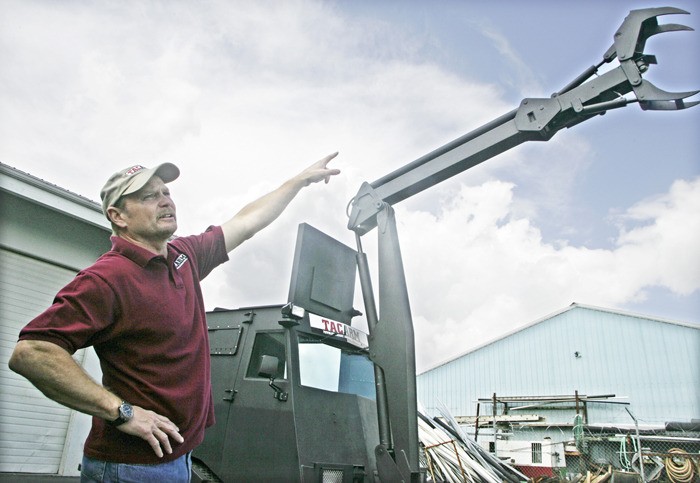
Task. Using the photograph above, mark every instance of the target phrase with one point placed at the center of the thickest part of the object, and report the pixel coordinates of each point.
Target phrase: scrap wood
(602, 477)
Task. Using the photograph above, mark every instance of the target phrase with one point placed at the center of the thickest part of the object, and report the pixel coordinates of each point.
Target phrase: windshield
(334, 369)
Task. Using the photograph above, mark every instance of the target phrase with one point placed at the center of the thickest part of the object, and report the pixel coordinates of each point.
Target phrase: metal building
(46, 235)
(581, 367)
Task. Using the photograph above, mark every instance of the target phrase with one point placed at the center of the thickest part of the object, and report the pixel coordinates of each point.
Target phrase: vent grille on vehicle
(332, 476)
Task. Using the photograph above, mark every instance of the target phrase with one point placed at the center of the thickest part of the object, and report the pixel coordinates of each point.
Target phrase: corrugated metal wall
(46, 235)
(33, 427)
(656, 364)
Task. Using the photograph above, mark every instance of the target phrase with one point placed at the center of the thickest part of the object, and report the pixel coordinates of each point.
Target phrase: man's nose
(165, 199)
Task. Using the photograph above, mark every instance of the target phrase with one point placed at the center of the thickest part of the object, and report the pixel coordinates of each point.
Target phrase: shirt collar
(133, 252)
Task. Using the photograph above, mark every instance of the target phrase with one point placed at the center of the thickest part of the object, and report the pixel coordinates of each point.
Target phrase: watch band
(126, 412)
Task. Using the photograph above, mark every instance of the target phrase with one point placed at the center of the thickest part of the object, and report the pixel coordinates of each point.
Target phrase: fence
(581, 451)
(661, 455)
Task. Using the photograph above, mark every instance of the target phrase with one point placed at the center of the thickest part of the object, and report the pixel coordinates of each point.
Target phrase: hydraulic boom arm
(391, 340)
(536, 119)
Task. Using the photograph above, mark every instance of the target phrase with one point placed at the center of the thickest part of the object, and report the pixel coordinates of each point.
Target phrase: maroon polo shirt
(145, 317)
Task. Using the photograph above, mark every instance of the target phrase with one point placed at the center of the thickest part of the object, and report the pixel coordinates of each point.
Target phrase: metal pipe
(605, 106)
(639, 446)
(476, 425)
(495, 441)
(372, 320)
(583, 77)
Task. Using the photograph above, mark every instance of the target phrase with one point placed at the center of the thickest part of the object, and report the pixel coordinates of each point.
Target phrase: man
(140, 306)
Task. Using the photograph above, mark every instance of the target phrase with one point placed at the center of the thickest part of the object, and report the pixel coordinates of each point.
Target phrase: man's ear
(116, 216)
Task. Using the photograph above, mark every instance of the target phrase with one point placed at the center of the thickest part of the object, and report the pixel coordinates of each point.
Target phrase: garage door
(32, 428)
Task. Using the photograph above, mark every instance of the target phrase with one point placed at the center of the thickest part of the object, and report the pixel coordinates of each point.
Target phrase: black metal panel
(254, 436)
(323, 275)
(336, 430)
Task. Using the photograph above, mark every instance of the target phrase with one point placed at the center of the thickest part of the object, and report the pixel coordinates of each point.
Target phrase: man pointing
(140, 306)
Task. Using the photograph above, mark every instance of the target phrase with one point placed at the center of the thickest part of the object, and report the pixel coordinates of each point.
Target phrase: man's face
(149, 214)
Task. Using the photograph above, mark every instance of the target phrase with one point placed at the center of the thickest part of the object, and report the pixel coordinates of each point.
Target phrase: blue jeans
(96, 471)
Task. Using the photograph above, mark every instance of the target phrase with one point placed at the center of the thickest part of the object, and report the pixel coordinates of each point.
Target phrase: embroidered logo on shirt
(180, 261)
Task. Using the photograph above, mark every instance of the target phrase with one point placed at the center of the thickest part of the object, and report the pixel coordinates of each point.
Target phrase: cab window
(270, 344)
(336, 369)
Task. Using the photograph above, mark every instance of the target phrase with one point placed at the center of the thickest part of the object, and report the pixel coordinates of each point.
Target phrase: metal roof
(554, 314)
(651, 364)
(27, 186)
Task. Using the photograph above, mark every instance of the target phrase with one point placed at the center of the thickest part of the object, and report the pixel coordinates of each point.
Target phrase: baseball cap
(132, 179)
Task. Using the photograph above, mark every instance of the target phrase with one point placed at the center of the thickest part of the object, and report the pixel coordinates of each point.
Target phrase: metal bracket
(280, 395)
(232, 395)
(536, 114)
(365, 206)
(391, 470)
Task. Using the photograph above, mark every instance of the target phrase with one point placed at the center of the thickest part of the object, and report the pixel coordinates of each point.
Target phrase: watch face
(126, 411)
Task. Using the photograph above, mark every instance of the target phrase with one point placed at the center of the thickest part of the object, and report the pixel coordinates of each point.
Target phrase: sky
(243, 95)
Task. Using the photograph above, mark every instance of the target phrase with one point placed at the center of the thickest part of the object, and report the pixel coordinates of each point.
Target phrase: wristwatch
(126, 412)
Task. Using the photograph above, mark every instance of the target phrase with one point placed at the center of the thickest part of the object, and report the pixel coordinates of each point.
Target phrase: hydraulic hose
(677, 471)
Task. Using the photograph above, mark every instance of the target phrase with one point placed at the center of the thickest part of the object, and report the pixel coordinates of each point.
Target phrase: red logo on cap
(134, 170)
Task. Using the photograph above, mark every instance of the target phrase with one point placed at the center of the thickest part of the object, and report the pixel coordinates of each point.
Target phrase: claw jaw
(676, 105)
(629, 43)
(638, 26)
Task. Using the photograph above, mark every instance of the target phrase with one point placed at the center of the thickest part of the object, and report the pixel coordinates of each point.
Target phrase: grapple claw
(630, 40)
(647, 91)
(671, 27)
(676, 105)
(652, 98)
(638, 26)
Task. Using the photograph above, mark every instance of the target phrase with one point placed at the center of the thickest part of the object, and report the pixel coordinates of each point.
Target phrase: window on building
(536, 452)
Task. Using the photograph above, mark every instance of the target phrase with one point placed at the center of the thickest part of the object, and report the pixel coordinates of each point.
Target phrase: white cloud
(234, 84)
(664, 248)
(524, 81)
(476, 270)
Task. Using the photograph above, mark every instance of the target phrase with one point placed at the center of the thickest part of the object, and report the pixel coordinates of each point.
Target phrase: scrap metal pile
(452, 456)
